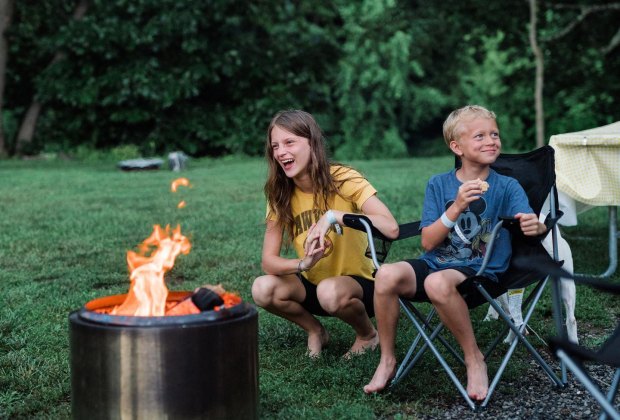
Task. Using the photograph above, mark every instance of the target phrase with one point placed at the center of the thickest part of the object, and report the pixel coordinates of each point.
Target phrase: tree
(29, 122)
(539, 79)
(6, 11)
(567, 23)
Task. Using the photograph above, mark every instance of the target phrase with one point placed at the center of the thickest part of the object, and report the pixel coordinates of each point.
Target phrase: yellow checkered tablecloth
(587, 165)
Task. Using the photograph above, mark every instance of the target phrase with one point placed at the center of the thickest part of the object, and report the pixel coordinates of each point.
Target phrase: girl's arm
(380, 216)
(273, 263)
(373, 208)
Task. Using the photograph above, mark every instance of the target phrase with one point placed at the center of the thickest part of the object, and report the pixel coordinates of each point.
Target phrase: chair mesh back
(535, 171)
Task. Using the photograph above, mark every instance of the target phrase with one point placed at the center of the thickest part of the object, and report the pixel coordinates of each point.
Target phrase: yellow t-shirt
(347, 256)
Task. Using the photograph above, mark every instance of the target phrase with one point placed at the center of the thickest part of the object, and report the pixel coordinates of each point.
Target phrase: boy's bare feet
(363, 344)
(316, 342)
(477, 380)
(383, 375)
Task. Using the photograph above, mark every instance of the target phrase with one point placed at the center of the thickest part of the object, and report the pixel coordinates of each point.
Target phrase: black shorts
(422, 270)
(312, 305)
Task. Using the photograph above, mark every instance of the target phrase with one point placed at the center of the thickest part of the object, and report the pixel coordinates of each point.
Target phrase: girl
(306, 200)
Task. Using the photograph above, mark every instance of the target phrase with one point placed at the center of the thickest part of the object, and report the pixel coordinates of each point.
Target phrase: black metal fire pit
(173, 367)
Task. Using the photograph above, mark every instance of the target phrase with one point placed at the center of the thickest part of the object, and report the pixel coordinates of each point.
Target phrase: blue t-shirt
(465, 245)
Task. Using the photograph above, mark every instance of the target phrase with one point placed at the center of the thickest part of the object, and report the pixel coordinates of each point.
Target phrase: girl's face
(291, 152)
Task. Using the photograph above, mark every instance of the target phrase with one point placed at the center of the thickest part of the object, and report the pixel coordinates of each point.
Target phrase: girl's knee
(332, 296)
(263, 290)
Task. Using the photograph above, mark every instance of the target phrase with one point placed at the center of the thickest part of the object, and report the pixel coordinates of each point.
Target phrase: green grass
(66, 227)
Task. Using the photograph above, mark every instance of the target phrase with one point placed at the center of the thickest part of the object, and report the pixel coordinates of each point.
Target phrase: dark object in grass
(177, 161)
(140, 164)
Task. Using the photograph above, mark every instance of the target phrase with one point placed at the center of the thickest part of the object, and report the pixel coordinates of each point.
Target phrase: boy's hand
(530, 226)
(469, 192)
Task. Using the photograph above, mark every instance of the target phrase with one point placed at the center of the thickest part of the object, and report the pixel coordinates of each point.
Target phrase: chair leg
(410, 359)
(445, 365)
(613, 389)
(594, 390)
(440, 325)
(406, 364)
(541, 362)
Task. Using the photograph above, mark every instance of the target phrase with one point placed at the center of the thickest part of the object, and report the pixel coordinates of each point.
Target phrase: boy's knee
(387, 278)
(437, 289)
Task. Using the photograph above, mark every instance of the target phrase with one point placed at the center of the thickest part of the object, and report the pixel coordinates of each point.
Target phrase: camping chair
(536, 173)
(574, 355)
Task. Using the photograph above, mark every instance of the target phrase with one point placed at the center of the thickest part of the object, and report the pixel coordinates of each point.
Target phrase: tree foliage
(380, 75)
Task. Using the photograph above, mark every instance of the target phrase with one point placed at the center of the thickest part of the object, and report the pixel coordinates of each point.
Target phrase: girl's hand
(317, 233)
(312, 248)
(530, 226)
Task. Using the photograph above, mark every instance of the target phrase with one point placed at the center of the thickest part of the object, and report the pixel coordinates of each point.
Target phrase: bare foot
(383, 375)
(477, 380)
(316, 342)
(363, 344)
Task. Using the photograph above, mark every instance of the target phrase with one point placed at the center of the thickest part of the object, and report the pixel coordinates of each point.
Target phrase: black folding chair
(573, 355)
(535, 172)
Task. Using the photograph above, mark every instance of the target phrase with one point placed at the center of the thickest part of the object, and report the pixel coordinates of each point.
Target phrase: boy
(457, 218)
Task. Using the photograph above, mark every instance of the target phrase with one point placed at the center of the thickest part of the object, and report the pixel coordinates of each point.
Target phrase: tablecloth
(587, 165)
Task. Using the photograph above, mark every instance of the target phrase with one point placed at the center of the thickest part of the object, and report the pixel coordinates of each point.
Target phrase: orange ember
(148, 292)
(179, 182)
(230, 299)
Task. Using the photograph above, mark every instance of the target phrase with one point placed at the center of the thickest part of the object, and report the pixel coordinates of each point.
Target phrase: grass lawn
(65, 229)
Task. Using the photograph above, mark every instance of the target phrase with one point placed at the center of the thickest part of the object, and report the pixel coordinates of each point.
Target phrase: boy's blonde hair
(452, 124)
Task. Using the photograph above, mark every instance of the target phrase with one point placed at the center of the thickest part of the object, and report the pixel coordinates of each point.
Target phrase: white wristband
(331, 218)
(446, 221)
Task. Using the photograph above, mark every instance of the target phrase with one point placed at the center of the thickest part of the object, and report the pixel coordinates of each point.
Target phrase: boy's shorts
(312, 305)
(422, 270)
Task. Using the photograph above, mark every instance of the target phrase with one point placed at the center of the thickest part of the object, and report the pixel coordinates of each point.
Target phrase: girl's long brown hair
(279, 188)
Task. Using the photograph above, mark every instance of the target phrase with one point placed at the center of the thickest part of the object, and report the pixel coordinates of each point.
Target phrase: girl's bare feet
(363, 344)
(477, 380)
(316, 342)
(383, 375)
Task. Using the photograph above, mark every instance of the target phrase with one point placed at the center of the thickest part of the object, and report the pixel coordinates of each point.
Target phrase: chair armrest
(354, 221)
(363, 223)
(406, 230)
(550, 223)
(548, 267)
(513, 226)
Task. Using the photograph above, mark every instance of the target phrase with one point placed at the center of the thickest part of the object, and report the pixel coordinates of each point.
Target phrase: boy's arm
(530, 226)
(434, 234)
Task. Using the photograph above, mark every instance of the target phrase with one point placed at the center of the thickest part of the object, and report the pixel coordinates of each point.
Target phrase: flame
(155, 257)
(179, 182)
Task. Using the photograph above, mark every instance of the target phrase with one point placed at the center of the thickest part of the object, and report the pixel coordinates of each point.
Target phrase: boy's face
(478, 141)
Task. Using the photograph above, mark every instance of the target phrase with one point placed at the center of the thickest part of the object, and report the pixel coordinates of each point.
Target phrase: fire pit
(175, 367)
(157, 354)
